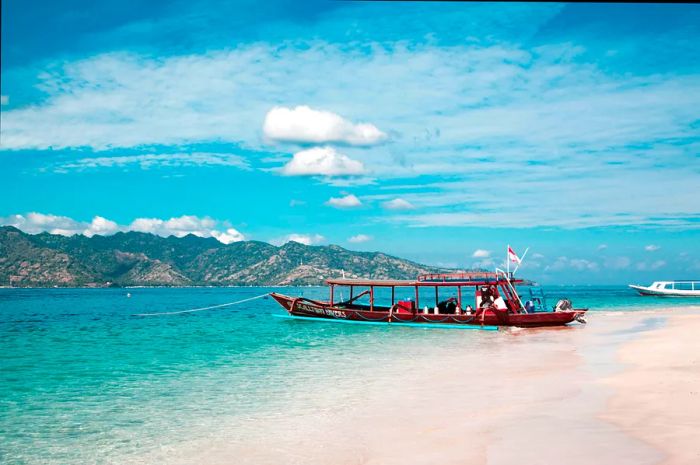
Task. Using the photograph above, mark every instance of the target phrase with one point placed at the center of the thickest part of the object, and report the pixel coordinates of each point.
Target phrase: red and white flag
(512, 256)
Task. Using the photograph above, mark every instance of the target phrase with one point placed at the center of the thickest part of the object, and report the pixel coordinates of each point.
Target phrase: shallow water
(82, 380)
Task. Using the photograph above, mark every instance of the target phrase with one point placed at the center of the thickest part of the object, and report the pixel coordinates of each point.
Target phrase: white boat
(670, 288)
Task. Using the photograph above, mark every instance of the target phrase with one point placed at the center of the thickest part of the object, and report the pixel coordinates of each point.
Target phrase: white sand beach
(621, 390)
(657, 396)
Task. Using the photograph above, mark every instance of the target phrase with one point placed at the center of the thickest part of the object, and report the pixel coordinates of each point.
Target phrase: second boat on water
(670, 288)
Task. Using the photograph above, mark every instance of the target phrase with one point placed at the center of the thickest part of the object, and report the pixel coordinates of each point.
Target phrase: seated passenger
(451, 306)
(448, 306)
(486, 297)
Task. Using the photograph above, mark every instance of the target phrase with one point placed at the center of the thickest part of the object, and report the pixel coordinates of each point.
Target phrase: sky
(437, 132)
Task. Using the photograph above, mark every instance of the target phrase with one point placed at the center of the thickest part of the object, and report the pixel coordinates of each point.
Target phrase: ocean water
(84, 380)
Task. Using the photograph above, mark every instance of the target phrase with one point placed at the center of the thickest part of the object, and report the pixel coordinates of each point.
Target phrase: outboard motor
(563, 305)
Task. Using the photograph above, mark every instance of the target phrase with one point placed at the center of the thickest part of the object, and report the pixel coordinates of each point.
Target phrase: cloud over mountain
(35, 223)
(359, 238)
(306, 239)
(481, 253)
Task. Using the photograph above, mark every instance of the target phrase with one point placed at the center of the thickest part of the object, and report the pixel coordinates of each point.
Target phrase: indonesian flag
(512, 256)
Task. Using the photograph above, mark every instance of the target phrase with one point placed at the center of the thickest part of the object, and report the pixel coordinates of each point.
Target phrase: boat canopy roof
(476, 278)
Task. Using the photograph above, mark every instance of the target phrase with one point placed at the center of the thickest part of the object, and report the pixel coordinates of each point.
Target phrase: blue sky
(433, 131)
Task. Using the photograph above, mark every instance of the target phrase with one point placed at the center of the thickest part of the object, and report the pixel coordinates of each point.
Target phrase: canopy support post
(371, 298)
(392, 295)
(332, 290)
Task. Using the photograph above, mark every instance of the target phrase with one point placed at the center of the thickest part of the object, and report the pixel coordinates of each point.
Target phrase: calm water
(83, 380)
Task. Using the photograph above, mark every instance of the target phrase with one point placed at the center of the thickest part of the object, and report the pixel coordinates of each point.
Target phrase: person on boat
(448, 306)
(486, 297)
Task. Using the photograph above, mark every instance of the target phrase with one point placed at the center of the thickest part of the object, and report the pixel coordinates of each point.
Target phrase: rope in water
(192, 310)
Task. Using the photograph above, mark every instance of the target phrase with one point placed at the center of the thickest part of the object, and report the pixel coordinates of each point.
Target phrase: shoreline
(315, 394)
(518, 396)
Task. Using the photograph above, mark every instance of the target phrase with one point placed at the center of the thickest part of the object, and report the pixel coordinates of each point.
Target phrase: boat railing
(460, 276)
(685, 285)
(538, 299)
(507, 277)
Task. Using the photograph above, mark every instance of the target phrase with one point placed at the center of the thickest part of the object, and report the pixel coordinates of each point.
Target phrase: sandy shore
(623, 390)
(657, 396)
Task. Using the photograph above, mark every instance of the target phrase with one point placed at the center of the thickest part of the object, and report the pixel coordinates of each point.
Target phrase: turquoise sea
(83, 380)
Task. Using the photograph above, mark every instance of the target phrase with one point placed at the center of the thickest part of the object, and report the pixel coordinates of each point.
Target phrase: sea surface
(83, 379)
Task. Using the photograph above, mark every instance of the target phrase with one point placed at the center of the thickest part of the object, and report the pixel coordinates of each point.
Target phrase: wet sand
(576, 395)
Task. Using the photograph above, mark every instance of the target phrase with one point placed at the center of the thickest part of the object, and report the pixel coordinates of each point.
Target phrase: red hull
(311, 308)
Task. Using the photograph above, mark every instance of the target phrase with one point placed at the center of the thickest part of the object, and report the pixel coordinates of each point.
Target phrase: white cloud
(481, 94)
(617, 263)
(359, 238)
(188, 224)
(486, 264)
(322, 161)
(101, 226)
(652, 266)
(651, 248)
(4, 100)
(306, 239)
(349, 201)
(34, 223)
(608, 146)
(557, 216)
(146, 161)
(566, 263)
(481, 253)
(228, 236)
(306, 125)
(398, 204)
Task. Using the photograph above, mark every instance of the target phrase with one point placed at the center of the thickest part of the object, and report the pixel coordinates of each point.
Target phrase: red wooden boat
(495, 302)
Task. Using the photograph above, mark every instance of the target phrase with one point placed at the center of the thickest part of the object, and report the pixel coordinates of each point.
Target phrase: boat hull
(316, 309)
(648, 291)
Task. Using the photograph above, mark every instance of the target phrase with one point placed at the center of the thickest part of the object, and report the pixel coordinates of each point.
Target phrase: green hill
(139, 259)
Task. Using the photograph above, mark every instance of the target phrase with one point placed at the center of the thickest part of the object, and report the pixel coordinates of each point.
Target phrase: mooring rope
(192, 310)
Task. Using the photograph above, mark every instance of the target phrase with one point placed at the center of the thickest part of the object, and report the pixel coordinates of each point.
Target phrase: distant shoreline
(214, 286)
(162, 287)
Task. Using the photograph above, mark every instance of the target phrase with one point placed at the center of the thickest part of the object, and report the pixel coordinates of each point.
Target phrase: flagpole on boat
(508, 261)
(521, 260)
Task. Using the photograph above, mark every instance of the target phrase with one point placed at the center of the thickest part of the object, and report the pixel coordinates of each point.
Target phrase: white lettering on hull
(320, 311)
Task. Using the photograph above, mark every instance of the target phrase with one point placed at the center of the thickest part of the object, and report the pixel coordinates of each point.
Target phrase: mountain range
(142, 259)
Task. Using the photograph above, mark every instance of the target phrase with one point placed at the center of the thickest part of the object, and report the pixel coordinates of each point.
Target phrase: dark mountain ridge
(141, 259)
